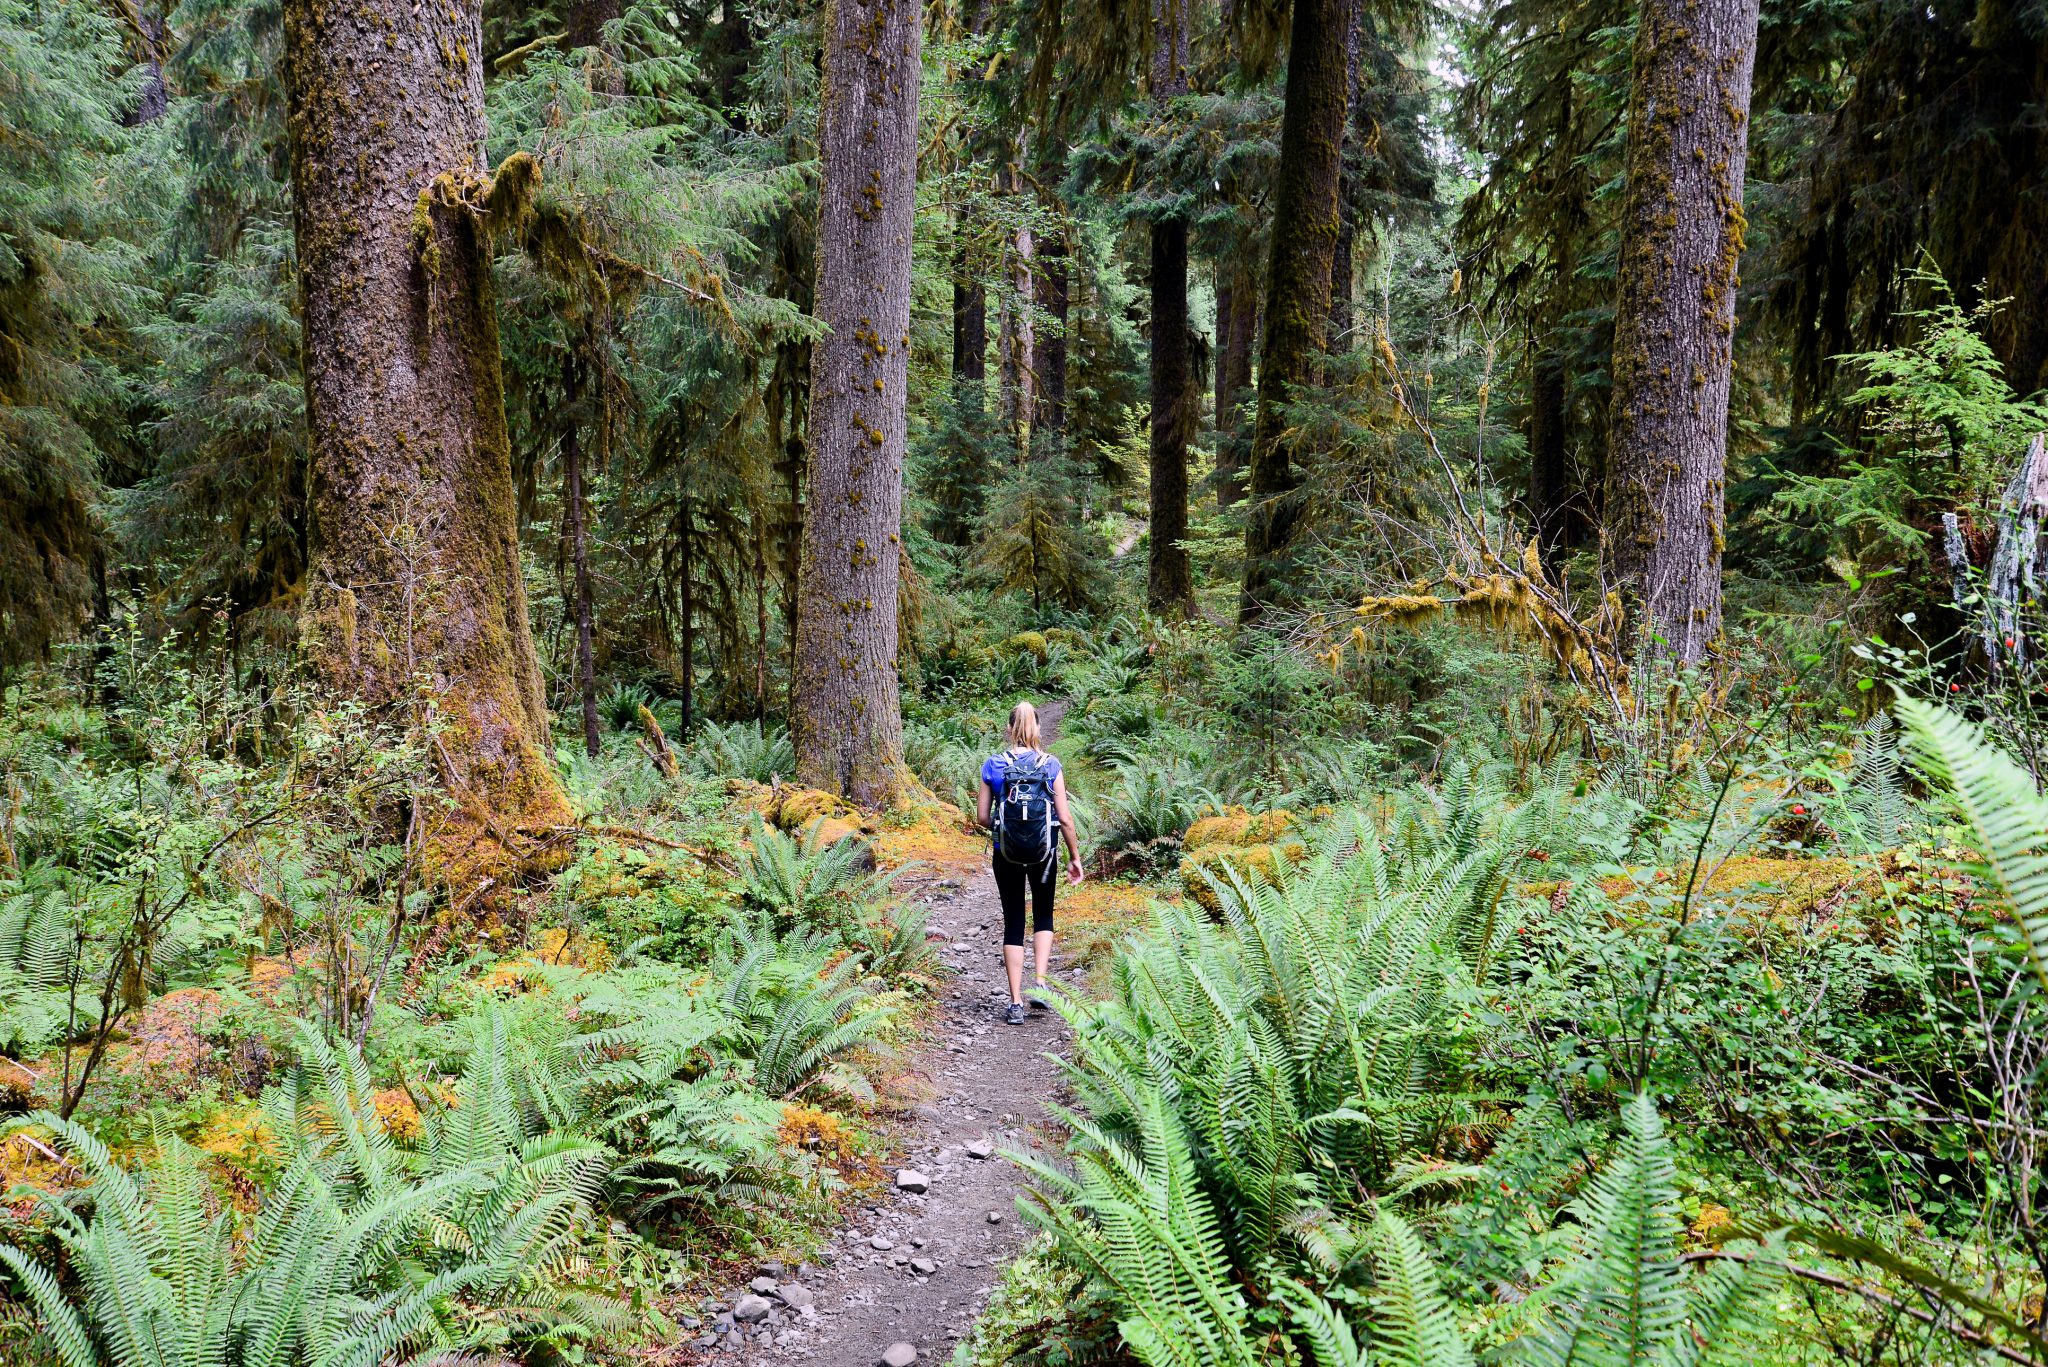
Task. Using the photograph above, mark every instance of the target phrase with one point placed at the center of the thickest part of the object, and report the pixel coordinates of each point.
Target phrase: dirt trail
(916, 1267)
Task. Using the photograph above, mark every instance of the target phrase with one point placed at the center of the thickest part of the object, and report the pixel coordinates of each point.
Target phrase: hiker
(1024, 803)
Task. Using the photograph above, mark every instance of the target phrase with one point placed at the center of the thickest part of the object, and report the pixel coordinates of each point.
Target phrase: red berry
(1955, 688)
(2008, 643)
(1799, 809)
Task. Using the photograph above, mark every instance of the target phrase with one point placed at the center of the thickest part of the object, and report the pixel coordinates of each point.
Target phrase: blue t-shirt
(996, 767)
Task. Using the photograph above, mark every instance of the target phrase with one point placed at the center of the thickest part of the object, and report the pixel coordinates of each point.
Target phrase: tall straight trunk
(415, 584)
(1223, 298)
(1019, 342)
(849, 722)
(1549, 495)
(579, 558)
(970, 320)
(1169, 583)
(1674, 318)
(686, 552)
(1338, 337)
(760, 621)
(1051, 415)
(1340, 273)
(788, 404)
(1234, 382)
(1297, 287)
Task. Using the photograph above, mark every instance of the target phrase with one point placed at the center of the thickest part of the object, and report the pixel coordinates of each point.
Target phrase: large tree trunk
(849, 723)
(1297, 286)
(970, 312)
(1674, 318)
(579, 558)
(1234, 381)
(415, 586)
(1169, 584)
(1549, 494)
(1019, 342)
(1052, 343)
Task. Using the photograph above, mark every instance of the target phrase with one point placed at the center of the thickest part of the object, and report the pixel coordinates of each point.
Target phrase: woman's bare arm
(1059, 804)
(981, 805)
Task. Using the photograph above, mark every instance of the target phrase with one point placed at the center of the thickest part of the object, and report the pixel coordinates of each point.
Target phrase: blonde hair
(1023, 727)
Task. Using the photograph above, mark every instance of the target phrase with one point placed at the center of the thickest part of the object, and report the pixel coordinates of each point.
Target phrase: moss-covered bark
(1237, 325)
(1169, 582)
(415, 592)
(1674, 322)
(1304, 238)
(848, 722)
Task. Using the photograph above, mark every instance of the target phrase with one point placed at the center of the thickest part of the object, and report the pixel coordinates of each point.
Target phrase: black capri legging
(1010, 881)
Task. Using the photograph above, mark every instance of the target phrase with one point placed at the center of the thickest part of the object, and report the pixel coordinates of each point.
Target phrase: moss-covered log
(415, 596)
(1674, 318)
(848, 722)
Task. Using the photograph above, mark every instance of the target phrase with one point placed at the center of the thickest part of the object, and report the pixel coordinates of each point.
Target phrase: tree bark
(1234, 382)
(1169, 583)
(1297, 287)
(848, 723)
(415, 585)
(1019, 341)
(1549, 495)
(1052, 344)
(579, 558)
(1674, 321)
(686, 551)
(970, 321)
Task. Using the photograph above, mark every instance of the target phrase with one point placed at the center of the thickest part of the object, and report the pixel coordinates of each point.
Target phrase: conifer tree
(848, 722)
(1304, 247)
(1674, 324)
(1169, 584)
(416, 589)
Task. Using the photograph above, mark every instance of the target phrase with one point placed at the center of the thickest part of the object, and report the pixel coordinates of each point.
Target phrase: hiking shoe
(1015, 1015)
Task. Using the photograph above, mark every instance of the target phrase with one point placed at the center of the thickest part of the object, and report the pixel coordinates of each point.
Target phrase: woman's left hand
(1074, 871)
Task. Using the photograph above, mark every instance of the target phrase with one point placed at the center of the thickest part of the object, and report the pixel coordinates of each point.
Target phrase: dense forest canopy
(521, 520)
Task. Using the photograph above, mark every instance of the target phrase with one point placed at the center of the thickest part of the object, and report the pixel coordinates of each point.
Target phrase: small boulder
(913, 1181)
(923, 1267)
(995, 1217)
(751, 1309)
(797, 1297)
(981, 1148)
(881, 1243)
(899, 1355)
(762, 1286)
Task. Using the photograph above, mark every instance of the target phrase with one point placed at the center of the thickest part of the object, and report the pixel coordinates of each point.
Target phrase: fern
(1996, 797)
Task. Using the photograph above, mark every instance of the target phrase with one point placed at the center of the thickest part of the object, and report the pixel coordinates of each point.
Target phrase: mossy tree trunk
(577, 506)
(415, 589)
(848, 723)
(1549, 490)
(970, 317)
(1674, 318)
(1304, 245)
(1169, 583)
(1053, 289)
(1239, 326)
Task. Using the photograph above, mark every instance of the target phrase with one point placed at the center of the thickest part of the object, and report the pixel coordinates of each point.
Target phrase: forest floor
(915, 1266)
